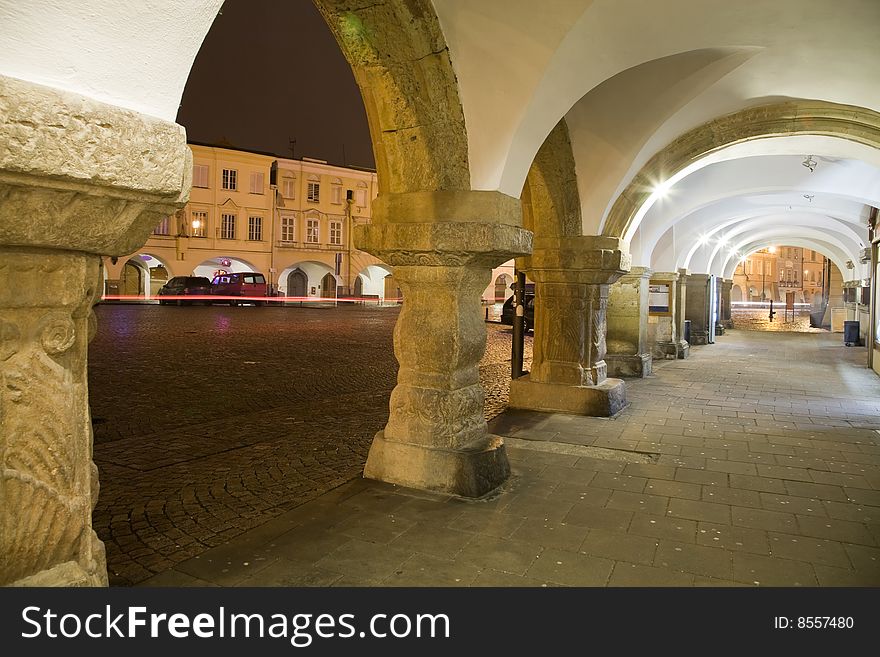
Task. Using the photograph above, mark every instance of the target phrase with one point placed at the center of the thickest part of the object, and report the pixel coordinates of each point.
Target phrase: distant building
(768, 274)
(248, 211)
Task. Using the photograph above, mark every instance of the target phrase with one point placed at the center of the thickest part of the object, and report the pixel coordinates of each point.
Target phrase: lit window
(230, 179)
(288, 187)
(256, 183)
(227, 227)
(199, 223)
(255, 229)
(314, 192)
(312, 231)
(200, 175)
(288, 228)
(336, 232)
(164, 227)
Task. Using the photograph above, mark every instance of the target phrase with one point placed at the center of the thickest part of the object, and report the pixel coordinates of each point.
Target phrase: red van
(240, 284)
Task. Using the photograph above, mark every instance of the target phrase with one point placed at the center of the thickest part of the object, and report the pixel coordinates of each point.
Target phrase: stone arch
(552, 193)
(502, 286)
(799, 117)
(133, 278)
(401, 63)
(736, 293)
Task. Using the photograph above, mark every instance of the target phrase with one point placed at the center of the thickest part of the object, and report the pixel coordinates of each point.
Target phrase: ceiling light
(809, 162)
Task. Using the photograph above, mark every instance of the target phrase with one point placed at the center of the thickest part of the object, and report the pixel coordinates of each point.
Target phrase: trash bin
(850, 333)
(687, 331)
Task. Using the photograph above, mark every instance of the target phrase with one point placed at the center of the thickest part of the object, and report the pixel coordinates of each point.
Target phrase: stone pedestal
(697, 307)
(664, 331)
(436, 437)
(569, 371)
(725, 308)
(84, 179)
(627, 336)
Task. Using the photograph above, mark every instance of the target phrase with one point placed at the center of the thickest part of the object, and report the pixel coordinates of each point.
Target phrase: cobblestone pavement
(755, 462)
(211, 421)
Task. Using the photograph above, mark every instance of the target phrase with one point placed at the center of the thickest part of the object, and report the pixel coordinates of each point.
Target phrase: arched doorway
(392, 290)
(297, 283)
(328, 287)
(502, 284)
(359, 287)
(131, 282)
(736, 293)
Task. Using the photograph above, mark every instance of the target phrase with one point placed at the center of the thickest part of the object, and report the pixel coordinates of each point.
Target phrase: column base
(456, 472)
(628, 364)
(602, 400)
(68, 574)
(672, 350)
(727, 323)
(699, 337)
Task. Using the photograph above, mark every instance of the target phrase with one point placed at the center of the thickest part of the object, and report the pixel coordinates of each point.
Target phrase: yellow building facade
(290, 220)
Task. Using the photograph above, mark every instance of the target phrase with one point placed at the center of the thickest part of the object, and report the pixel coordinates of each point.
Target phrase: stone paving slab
(564, 519)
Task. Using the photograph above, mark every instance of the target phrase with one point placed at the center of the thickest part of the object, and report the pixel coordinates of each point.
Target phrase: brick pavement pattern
(756, 462)
(210, 421)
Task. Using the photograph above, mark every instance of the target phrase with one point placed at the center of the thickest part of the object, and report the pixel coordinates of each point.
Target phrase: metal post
(518, 345)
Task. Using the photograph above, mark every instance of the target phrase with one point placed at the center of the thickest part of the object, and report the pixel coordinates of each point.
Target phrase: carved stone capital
(446, 244)
(84, 175)
(588, 259)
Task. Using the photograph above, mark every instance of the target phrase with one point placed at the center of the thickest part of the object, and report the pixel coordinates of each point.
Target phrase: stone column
(627, 339)
(680, 313)
(726, 286)
(83, 179)
(697, 307)
(436, 437)
(664, 331)
(569, 372)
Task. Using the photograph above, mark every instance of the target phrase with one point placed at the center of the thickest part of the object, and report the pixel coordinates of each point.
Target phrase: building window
(227, 227)
(314, 192)
(312, 232)
(200, 175)
(199, 223)
(336, 232)
(164, 227)
(288, 228)
(255, 229)
(336, 194)
(257, 183)
(361, 198)
(288, 187)
(230, 179)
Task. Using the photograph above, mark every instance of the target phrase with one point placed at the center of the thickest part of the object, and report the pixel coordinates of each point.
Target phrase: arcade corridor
(754, 462)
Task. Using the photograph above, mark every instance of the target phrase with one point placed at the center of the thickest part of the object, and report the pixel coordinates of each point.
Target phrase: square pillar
(697, 307)
(726, 317)
(664, 330)
(627, 336)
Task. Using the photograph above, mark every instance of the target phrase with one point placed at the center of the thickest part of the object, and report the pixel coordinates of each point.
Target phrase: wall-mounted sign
(658, 299)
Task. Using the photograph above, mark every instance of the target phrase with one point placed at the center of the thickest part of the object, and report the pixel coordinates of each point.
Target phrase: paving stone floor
(756, 462)
(212, 421)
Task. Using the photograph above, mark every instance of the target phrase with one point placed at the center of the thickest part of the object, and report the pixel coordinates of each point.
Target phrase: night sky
(270, 71)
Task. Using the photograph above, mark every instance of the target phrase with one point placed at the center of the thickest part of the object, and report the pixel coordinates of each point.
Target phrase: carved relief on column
(48, 479)
(597, 304)
(439, 340)
(560, 335)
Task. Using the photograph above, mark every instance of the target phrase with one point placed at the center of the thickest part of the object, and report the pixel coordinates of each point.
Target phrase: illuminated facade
(288, 219)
